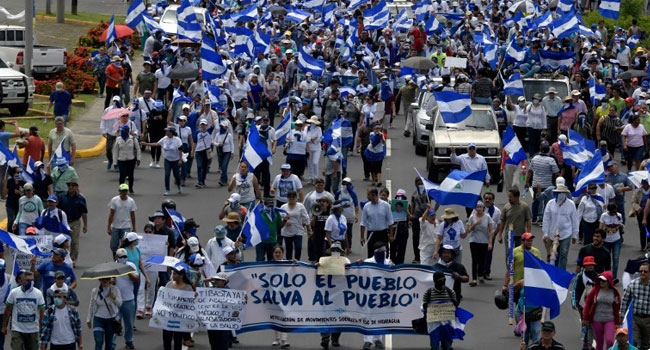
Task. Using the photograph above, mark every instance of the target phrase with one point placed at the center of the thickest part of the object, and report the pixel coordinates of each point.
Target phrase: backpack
(58, 211)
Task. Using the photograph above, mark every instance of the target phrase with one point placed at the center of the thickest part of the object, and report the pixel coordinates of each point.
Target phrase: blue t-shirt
(48, 269)
(4, 138)
(62, 101)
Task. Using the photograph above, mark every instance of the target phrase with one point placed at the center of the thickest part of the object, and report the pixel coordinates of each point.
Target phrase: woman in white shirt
(297, 148)
(172, 154)
(535, 123)
(611, 222)
(519, 122)
(239, 89)
(202, 152)
(104, 304)
(296, 226)
(368, 111)
(246, 185)
(314, 134)
(589, 211)
(222, 139)
(428, 236)
(188, 146)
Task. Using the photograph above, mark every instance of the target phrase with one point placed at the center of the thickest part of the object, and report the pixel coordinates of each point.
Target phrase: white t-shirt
(451, 234)
(634, 136)
(123, 209)
(170, 146)
(62, 333)
(238, 90)
(607, 193)
(24, 311)
(337, 227)
(284, 185)
(613, 224)
(125, 285)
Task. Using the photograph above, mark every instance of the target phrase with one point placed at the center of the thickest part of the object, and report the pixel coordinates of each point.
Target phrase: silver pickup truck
(47, 60)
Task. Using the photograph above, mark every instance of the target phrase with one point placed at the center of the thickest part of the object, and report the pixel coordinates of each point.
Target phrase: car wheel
(18, 110)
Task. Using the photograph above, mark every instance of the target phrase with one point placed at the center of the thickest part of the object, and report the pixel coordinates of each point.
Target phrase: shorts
(634, 154)
(375, 167)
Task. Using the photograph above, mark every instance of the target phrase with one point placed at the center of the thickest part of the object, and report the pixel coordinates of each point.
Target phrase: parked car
(479, 128)
(169, 21)
(422, 114)
(46, 60)
(16, 90)
(540, 85)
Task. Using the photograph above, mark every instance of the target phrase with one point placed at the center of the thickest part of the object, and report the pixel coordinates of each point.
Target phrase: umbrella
(115, 113)
(418, 62)
(121, 30)
(107, 270)
(632, 73)
(277, 10)
(183, 73)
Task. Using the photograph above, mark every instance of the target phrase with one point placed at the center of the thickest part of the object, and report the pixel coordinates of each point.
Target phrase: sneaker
(324, 345)
(367, 346)
(148, 313)
(379, 345)
(415, 262)
(198, 185)
(166, 193)
(157, 165)
(285, 345)
(275, 343)
(129, 347)
(234, 340)
(180, 189)
(140, 314)
(335, 343)
(151, 164)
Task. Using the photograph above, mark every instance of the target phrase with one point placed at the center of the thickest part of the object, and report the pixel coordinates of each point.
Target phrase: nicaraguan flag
(544, 284)
(248, 14)
(403, 22)
(152, 24)
(346, 90)
(51, 224)
(514, 86)
(628, 321)
(6, 155)
(610, 9)
(429, 186)
(453, 107)
(309, 64)
(543, 21)
(340, 129)
(587, 32)
(178, 96)
(555, 60)
(134, 13)
(163, 260)
(297, 16)
(376, 17)
(355, 3)
(313, 4)
(596, 92)
(565, 6)
(327, 16)
(213, 95)
(178, 221)
(15, 242)
(256, 150)
(592, 171)
(432, 25)
(188, 26)
(490, 55)
(514, 53)
(565, 25)
(633, 41)
(420, 10)
(283, 129)
(211, 62)
(61, 152)
(461, 188)
(111, 34)
(517, 18)
(455, 327)
(578, 151)
(284, 101)
(30, 169)
(262, 42)
(512, 146)
(255, 229)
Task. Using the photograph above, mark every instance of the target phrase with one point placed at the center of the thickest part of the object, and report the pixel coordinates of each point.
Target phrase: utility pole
(60, 11)
(29, 37)
(48, 7)
(73, 8)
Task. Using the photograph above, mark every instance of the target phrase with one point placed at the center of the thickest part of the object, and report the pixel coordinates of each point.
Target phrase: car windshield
(532, 87)
(480, 119)
(169, 16)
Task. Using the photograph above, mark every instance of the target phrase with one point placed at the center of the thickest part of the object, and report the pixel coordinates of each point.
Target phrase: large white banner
(220, 308)
(174, 310)
(368, 299)
(152, 244)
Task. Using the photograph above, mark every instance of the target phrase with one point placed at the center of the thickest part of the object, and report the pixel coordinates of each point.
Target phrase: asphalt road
(92, 6)
(489, 325)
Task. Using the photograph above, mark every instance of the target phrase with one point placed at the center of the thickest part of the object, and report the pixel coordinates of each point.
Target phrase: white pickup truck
(16, 90)
(46, 61)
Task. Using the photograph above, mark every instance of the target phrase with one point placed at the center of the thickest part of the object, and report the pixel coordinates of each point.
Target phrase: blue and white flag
(257, 150)
(592, 171)
(433, 26)
(403, 22)
(169, 261)
(578, 151)
(61, 152)
(455, 327)
(514, 86)
(355, 3)
(461, 188)
(134, 13)
(596, 91)
(284, 101)
(16, 242)
(556, 59)
(297, 16)
(421, 9)
(610, 9)
(30, 170)
(178, 221)
(628, 321)
(6, 156)
(306, 63)
(243, 42)
(453, 107)
(513, 147)
(328, 17)
(283, 129)
(111, 34)
(565, 25)
(152, 24)
(211, 63)
(514, 53)
(255, 229)
(544, 284)
(517, 18)
(248, 14)
(565, 6)
(313, 4)
(340, 129)
(346, 90)
(429, 186)
(178, 97)
(51, 224)
(490, 55)
(214, 92)
(633, 41)
(262, 42)
(188, 26)
(543, 21)
(376, 17)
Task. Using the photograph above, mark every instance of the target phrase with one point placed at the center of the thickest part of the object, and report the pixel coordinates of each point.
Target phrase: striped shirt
(641, 294)
(543, 167)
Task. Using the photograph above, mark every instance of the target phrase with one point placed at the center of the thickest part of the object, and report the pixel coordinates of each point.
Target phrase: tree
(74, 7)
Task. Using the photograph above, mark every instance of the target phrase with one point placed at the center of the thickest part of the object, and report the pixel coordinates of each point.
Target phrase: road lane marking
(388, 143)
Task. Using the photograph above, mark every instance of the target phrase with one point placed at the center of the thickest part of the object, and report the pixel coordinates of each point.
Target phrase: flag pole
(511, 277)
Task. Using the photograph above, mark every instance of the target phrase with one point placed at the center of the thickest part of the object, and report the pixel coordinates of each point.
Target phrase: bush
(91, 39)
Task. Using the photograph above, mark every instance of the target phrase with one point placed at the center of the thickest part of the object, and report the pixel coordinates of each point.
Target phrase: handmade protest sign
(150, 245)
(220, 308)
(175, 311)
(441, 312)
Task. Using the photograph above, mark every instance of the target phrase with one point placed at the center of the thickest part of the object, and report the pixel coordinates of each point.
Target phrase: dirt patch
(55, 34)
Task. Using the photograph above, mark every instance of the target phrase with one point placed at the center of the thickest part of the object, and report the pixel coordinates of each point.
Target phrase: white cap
(185, 105)
(117, 98)
(60, 239)
(182, 117)
(560, 181)
(132, 236)
(120, 252)
(193, 243)
(235, 197)
(203, 122)
(228, 249)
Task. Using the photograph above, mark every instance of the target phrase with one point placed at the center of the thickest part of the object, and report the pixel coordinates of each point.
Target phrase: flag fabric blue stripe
(514, 86)
(256, 151)
(593, 171)
(429, 186)
(453, 107)
(254, 228)
(309, 64)
(565, 25)
(555, 60)
(188, 26)
(283, 129)
(134, 13)
(545, 284)
(111, 34)
(461, 188)
(513, 147)
(609, 8)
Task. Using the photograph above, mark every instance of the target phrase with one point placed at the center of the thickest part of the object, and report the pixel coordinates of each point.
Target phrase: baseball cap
(182, 117)
(61, 161)
(336, 245)
(221, 276)
(203, 122)
(28, 186)
(60, 252)
(285, 166)
(235, 197)
(588, 260)
(123, 187)
(61, 238)
(347, 180)
(157, 214)
(228, 249)
(548, 326)
(132, 236)
(185, 105)
(471, 144)
(30, 230)
(527, 235)
(622, 331)
(52, 198)
(121, 253)
(219, 232)
(60, 273)
(193, 243)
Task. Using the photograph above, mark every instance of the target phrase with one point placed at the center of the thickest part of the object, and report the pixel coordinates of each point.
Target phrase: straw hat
(449, 214)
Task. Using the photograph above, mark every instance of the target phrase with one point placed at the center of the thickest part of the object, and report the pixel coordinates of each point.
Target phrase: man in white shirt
(25, 306)
(308, 86)
(560, 218)
(121, 217)
(214, 250)
(162, 81)
(470, 161)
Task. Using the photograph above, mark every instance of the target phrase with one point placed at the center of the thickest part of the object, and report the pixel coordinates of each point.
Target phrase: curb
(3, 224)
(66, 20)
(94, 151)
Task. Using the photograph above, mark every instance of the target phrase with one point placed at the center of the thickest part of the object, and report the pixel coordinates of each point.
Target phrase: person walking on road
(439, 334)
(61, 136)
(61, 174)
(114, 75)
(62, 101)
(29, 207)
(126, 151)
(25, 307)
(121, 217)
(637, 293)
(376, 219)
(560, 219)
(103, 308)
(73, 204)
(245, 184)
(61, 325)
(180, 281)
(479, 228)
(127, 285)
(601, 311)
(173, 155)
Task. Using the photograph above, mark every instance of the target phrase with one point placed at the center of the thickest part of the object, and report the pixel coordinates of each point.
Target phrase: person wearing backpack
(44, 222)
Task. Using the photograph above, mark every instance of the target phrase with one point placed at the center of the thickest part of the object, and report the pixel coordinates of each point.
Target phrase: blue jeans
(482, 100)
(103, 333)
(224, 159)
(22, 227)
(615, 249)
(534, 137)
(563, 253)
(293, 244)
(117, 235)
(533, 331)
(331, 185)
(439, 340)
(201, 165)
(169, 167)
(101, 79)
(529, 70)
(127, 310)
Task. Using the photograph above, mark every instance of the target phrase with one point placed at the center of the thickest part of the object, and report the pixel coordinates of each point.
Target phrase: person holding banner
(281, 338)
(439, 334)
(296, 226)
(319, 214)
(220, 339)
(180, 281)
